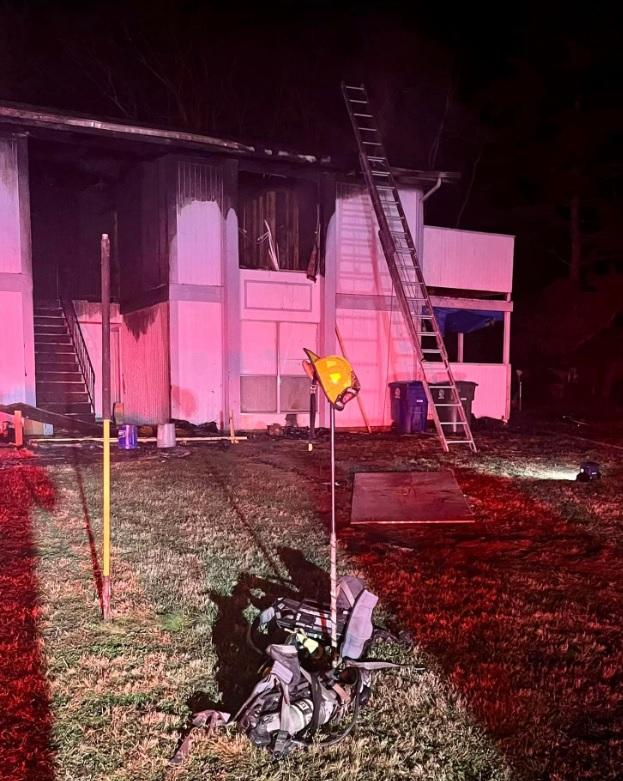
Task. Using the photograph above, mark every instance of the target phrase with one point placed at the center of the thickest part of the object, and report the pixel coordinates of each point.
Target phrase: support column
(460, 338)
(231, 293)
(506, 360)
(17, 357)
(327, 340)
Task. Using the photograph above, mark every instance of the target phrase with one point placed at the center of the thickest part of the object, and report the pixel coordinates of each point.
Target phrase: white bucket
(166, 435)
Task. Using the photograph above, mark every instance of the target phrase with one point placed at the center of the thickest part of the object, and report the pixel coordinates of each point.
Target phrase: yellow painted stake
(106, 524)
(106, 409)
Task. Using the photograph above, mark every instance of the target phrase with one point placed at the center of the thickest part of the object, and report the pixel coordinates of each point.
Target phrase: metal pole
(333, 535)
(313, 401)
(106, 409)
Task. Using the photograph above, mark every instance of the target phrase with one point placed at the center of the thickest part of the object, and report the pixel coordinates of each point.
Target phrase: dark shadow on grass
(257, 540)
(25, 718)
(238, 662)
(97, 572)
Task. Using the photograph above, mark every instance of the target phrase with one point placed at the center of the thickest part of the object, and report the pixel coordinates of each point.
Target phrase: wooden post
(106, 410)
(460, 353)
(18, 425)
(506, 350)
(359, 399)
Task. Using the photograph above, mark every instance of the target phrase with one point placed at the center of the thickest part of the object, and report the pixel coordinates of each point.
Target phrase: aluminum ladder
(406, 274)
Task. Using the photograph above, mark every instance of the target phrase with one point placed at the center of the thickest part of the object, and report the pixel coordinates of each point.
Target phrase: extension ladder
(406, 274)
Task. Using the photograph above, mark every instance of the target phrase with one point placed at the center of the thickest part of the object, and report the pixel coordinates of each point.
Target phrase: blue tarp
(465, 320)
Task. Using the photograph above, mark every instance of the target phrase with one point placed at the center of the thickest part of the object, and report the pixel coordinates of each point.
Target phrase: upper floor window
(279, 223)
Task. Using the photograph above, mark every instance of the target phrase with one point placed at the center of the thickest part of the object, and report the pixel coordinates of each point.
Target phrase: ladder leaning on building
(406, 273)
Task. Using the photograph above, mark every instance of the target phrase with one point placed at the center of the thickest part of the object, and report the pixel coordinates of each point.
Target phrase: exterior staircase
(61, 384)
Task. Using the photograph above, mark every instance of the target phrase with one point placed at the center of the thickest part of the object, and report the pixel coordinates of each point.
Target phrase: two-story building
(227, 260)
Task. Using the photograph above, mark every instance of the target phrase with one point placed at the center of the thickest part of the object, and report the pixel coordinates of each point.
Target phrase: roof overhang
(28, 118)
(34, 120)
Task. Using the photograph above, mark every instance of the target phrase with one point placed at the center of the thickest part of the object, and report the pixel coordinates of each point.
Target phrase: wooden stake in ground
(18, 425)
(359, 401)
(106, 410)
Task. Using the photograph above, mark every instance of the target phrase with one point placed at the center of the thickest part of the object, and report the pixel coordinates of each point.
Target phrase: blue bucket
(127, 437)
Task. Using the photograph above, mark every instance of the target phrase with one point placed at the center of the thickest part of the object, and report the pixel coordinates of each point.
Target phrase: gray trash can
(441, 395)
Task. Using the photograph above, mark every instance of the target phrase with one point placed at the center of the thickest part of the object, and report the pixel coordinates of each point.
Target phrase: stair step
(61, 395)
(47, 311)
(52, 348)
(50, 361)
(67, 408)
(46, 329)
(49, 317)
(69, 374)
(60, 339)
(72, 383)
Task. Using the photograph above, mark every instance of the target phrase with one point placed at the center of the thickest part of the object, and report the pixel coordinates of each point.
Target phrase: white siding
(197, 256)
(196, 361)
(468, 260)
(17, 354)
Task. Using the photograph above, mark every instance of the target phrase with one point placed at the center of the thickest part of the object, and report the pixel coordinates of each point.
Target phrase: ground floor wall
(139, 359)
(17, 365)
(169, 360)
(197, 353)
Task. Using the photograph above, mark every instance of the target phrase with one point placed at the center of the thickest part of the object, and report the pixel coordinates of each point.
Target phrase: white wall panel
(278, 295)
(12, 372)
(468, 260)
(258, 347)
(198, 242)
(196, 361)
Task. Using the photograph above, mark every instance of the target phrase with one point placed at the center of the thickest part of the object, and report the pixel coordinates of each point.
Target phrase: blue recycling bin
(409, 406)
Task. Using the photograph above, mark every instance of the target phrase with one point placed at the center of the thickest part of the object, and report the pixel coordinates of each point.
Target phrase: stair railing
(82, 354)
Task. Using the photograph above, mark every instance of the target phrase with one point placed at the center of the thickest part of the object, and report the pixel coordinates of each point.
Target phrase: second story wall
(468, 260)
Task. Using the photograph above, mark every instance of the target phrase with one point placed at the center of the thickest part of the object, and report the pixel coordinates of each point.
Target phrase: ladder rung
(427, 350)
(371, 129)
(377, 159)
(452, 423)
(368, 116)
(459, 441)
(372, 143)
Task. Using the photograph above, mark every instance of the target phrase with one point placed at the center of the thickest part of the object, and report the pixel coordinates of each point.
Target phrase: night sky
(528, 108)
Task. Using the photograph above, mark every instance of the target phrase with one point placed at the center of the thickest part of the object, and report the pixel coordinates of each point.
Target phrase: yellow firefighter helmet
(335, 376)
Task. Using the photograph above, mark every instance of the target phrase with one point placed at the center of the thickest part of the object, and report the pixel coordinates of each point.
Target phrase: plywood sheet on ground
(402, 498)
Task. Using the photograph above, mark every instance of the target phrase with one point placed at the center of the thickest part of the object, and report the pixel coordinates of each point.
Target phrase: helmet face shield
(335, 376)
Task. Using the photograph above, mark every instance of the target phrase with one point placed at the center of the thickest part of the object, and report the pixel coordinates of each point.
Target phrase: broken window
(279, 222)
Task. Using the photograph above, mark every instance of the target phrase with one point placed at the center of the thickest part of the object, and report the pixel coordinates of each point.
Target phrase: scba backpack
(305, 683)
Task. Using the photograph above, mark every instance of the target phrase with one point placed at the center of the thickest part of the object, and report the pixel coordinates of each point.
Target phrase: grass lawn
(517, 617)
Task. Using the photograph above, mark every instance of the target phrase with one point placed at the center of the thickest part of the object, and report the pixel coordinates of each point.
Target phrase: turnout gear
(303, 687)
